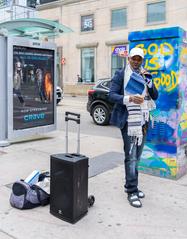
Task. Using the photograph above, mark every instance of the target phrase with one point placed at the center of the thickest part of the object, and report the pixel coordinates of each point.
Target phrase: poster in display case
(31, 86)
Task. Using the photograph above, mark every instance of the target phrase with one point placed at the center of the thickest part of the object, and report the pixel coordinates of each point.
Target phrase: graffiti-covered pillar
(166, 58)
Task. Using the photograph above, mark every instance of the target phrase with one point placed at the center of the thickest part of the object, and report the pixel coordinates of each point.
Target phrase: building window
(117, 62)
(31, 3)
(156, 12)
(87, 65)
(46, 1)
(119, 18)
(59, 66)
(5, 3)
(87, 23)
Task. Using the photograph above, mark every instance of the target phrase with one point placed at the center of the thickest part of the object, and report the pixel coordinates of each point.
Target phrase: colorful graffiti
(162, 164)
(162, 61)
(166, 58)
(168, 81)
(182, 111)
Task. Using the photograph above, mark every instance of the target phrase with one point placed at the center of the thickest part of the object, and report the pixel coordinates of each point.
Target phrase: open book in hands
(136, 84)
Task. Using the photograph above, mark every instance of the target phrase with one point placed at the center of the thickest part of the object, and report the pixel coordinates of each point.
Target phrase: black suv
(98, 104)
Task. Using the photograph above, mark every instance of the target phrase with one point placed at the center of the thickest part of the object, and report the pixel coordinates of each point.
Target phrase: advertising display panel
(31, 87)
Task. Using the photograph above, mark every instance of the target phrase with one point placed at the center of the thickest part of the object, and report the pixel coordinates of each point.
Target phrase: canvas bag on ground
(26, 196)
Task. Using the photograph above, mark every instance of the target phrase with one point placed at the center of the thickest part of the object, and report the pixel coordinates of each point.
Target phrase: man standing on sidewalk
(133, 92)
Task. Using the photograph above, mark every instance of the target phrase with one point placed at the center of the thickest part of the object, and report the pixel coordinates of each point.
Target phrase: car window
(106, 84)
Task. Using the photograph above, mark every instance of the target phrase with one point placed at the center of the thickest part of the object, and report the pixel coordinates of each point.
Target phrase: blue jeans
(132, 157)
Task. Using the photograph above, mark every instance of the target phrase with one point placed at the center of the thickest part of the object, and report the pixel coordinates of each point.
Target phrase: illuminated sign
(87, 23)
(116, 50)
(33, 87)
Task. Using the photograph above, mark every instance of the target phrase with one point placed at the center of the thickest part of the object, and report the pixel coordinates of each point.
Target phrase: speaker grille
(69, 187)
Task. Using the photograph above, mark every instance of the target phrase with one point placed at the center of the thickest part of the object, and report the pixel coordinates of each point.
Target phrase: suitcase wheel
(91, 200)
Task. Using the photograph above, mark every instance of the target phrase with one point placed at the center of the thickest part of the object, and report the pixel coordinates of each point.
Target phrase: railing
(13, 12)
(5, 3)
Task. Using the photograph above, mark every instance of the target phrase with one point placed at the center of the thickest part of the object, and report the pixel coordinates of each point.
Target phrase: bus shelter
(28, 78)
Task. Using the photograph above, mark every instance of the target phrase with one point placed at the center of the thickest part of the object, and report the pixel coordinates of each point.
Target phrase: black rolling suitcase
(69, 199)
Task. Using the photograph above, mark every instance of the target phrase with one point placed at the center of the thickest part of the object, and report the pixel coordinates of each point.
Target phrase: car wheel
(100, 115)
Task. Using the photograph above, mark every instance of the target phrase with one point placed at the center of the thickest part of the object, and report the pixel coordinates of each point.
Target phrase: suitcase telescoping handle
(73, 117)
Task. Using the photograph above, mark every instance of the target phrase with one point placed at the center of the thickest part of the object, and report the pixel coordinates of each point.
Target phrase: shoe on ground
(134, 200)
(140, 194)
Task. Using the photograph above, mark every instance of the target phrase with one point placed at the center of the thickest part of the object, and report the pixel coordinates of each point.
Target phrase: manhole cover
(104, 162)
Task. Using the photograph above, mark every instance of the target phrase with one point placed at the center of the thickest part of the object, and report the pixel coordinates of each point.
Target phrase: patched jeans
(132, 156)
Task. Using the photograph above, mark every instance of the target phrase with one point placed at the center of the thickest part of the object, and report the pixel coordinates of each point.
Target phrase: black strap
(44, 201)
(36, 189)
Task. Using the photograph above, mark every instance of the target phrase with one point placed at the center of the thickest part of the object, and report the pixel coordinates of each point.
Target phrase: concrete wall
(103, 38)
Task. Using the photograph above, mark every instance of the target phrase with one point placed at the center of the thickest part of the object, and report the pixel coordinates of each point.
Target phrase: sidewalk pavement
(163, 215)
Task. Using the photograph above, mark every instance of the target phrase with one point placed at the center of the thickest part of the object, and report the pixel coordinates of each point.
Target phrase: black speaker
(69, 186)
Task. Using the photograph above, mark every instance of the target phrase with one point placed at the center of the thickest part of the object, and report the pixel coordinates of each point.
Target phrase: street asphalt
(163, 215)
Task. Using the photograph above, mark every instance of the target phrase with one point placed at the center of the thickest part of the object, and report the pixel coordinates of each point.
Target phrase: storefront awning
(33, 28)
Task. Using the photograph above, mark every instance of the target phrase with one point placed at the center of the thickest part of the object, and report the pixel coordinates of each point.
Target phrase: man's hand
(147, 77)
(136, 99)
(144, 72)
